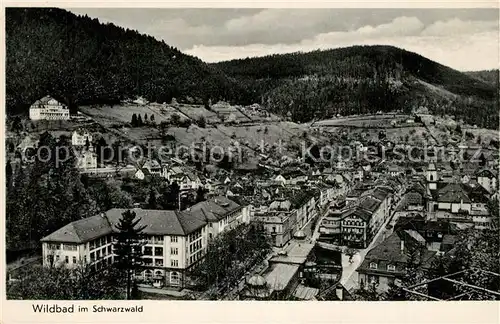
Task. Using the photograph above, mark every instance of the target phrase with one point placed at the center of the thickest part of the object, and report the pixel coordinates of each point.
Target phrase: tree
(145, 117)
(152, 199)
(200, 194)
(8, 173)
(128, 247)
(134, 121)
(175, 119)
(152, 118)
(201, 122)
(37, 282)
(139, 121)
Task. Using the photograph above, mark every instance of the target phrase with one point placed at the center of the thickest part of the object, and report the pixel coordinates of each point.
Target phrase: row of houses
(354, 222)
(459, 201)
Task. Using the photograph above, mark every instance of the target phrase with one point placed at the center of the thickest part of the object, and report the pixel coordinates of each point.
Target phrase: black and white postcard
(167, 156)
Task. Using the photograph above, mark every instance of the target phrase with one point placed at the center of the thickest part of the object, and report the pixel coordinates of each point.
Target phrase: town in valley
(139, 172)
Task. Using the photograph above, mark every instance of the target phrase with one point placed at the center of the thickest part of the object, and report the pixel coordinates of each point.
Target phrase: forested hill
(363, 79)
(488, 76)
(81, 61)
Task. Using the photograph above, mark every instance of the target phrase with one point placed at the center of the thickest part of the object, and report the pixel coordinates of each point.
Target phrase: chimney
(402, 245)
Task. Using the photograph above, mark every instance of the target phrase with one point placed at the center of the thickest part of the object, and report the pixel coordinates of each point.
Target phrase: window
(174, 263)
(92, 256)
(66, 258)
(373, 265)
(173, 239)
(174, 251)
(210, 236)
(158, 251)
(175, 278)
(391, 267)
(54, 246)
(159, 262)
(50, 259)
(148, 250)
(373, 280)
(147, 261)
(74, 259)
(85, 259)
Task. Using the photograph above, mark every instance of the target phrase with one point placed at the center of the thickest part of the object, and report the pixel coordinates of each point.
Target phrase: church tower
(431, 176)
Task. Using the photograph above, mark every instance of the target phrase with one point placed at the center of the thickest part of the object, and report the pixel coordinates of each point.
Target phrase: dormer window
(373, 265)
(391, 267)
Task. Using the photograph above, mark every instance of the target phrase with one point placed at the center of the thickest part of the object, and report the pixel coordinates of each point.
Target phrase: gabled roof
(215, 208)
(453, 192)
(45, 100)
(486, 172)
(389, 252)
(157, 222)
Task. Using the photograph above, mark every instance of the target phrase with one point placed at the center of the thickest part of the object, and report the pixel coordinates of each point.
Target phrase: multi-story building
(387, 261)
(48, 108)
(174, 242)
(361, 220)
(278, 221)
(81, 137)
(221, 214)
(87, 159)
(487, 178)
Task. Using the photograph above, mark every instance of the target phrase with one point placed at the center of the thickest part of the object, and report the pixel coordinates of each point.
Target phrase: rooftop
(157, 222)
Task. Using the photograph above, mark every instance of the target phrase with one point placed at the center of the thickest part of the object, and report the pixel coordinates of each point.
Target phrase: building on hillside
(87, 159)
(387, 261)
(81, 138)
(48, 108)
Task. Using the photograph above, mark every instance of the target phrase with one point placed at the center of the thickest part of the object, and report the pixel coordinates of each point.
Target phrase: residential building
(48, 108)
(488, 179)
(387, 261)
(87, 159)
(81, 138)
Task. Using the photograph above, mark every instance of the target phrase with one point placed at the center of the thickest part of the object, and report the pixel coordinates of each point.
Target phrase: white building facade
(48, 108)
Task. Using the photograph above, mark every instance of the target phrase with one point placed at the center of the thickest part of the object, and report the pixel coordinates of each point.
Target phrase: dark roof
(486, 172)
(157, 222)
(453, 192)
(389, 252)
(370, 204)
(215, 208)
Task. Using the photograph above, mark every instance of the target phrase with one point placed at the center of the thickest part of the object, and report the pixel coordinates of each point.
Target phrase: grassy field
(382, 121)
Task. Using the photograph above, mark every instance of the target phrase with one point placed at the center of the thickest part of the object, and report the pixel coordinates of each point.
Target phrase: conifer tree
(134, 120)
(128, 246)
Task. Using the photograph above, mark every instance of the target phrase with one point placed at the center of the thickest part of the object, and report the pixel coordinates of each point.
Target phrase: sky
(464, 39)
